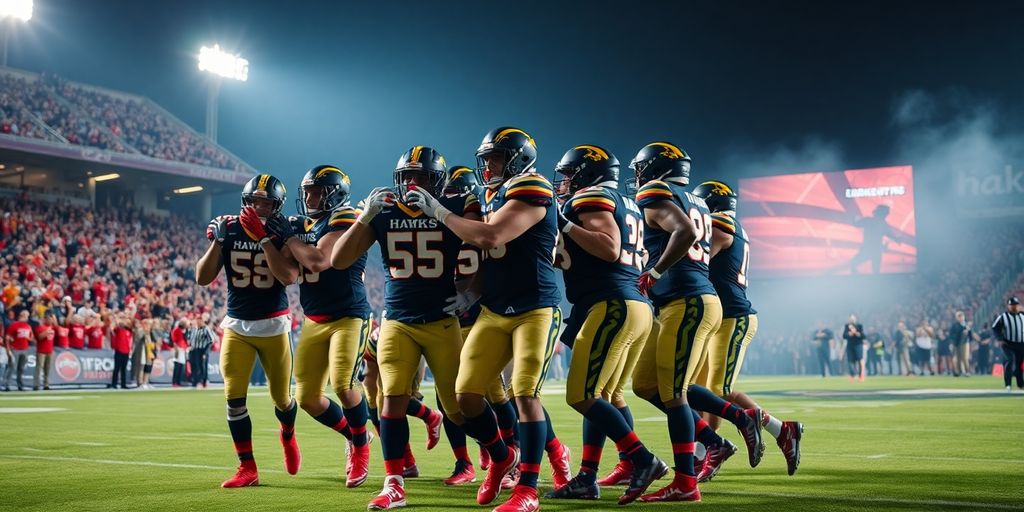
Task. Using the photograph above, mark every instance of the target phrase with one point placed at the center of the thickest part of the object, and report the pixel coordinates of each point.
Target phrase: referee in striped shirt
(1009, 329)
(200, 338)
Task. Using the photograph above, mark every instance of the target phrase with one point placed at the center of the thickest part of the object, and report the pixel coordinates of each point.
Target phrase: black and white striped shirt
(199, 338)
(1010, 327)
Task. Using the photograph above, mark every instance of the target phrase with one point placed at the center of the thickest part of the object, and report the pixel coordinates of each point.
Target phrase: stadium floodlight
(107, 177)
(223, 64)
(11, 11)
(16, 9)
(220, 64)
(188, 190)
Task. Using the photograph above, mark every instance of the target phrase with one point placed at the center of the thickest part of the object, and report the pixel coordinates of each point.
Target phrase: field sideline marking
(1008, 460)
(129, 463)
(862, 499)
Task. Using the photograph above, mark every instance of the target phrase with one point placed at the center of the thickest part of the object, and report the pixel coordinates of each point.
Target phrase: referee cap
(1013, 301)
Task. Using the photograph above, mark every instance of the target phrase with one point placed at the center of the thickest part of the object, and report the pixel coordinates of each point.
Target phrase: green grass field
(888, 444)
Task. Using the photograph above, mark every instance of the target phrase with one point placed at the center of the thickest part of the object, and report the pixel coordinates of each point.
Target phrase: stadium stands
(51, 108)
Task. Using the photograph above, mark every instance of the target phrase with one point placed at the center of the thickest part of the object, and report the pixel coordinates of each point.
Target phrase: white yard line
(865, 499)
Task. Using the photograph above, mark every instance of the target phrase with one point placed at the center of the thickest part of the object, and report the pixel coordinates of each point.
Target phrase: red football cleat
(245, 476)
(392, 496)
(485, 459)
(619, 476)
(464, 474)
(559, 459)
(682, 488)
(713, 461)
(789, 442)
(511, 480)
(292, 456)
(348, 451)
(523, 499)
(752, 436)
(491, 486)
(434, 429)
(360, 467)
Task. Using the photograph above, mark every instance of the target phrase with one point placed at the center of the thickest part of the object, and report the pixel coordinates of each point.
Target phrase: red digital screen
(831, 223)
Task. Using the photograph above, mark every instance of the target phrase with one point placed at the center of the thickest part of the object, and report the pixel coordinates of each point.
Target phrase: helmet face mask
(264, 187)
(421, 166)
(334, 190)
(516, 146)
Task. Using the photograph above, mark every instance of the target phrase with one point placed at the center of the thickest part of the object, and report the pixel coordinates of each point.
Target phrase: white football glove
(460, 303)
(422, 199)
(379, 199)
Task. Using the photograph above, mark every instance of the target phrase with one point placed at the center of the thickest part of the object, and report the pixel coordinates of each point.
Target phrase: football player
(601, 254)
(519, 317)
(335, 328)
(257, 321)
(678, 237)
(730, 259)
(420, 256)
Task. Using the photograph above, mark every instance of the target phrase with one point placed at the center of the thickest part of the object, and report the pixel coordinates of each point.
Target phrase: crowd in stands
(926, 305)
(97, 271)
(90, 117)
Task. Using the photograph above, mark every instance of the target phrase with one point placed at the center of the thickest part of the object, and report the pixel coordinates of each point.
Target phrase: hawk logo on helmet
(594, 153)
(508, 131)
(669, 151)
(327, 170)
(719, 188)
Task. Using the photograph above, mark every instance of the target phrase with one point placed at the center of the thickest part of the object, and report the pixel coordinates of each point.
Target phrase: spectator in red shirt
(94, 332)
(76, 332)
(121, 342)
(19, 336)
(46, 333)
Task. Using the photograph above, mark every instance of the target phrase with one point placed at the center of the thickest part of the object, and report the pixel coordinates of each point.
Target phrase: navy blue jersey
(689, 276)
(253, 291)
(419, 255)
(519, 276)
(331, 294)
(589, 279)
(729, 268)
(469, 265)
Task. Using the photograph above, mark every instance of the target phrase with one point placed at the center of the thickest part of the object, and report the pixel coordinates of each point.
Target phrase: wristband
(654, 273)
(568, 227)
(442, 213)
(264, 240)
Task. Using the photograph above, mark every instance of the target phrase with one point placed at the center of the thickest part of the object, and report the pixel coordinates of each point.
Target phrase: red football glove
(646, 281)
(252, 223)
(217, 228)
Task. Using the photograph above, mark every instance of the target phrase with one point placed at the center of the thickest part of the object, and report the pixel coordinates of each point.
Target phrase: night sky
(357, 83)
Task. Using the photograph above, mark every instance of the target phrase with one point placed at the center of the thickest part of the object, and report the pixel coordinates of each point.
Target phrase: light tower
(11, 12)
(220, 65)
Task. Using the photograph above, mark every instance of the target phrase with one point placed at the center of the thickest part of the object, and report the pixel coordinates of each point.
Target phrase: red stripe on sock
(700, 425)
(243, 447)
(357, 430)
(394, 466)
(628, 444)
(529, 468)
(682, 447)
(495, 439)
(421, 412)
(462, 454)
(340, 425)
(591, 452)
(507, 434)
(725, 409)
